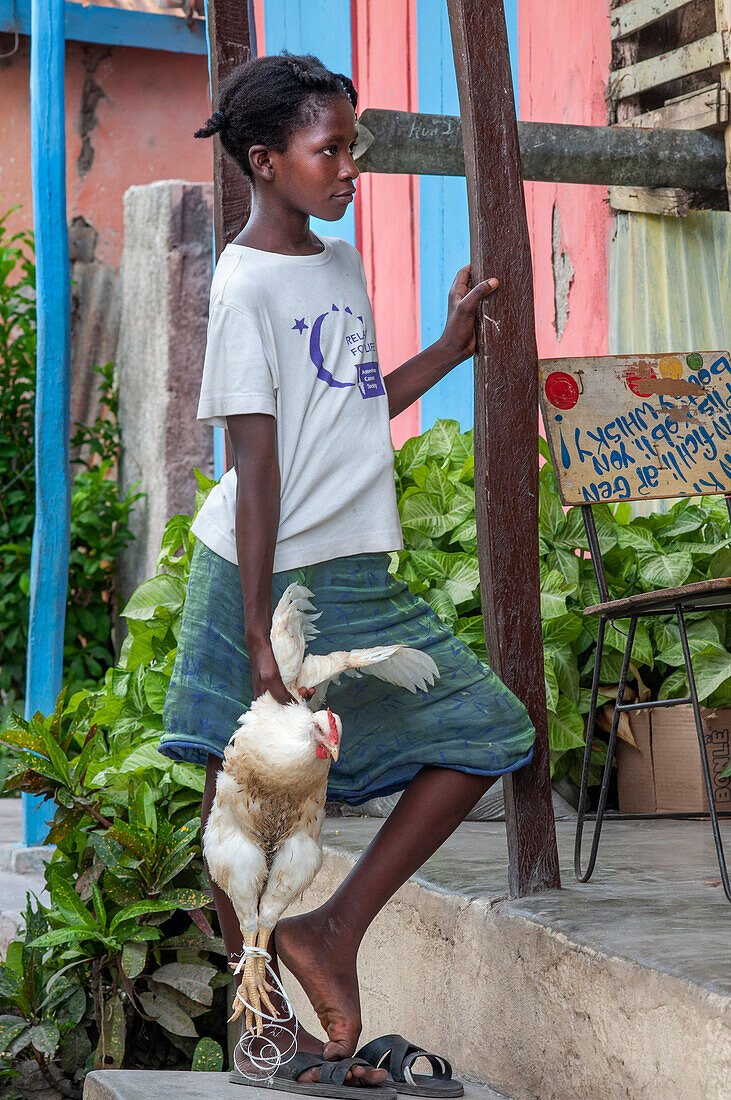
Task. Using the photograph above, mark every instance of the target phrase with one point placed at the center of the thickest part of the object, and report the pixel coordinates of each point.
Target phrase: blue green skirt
(468, 720)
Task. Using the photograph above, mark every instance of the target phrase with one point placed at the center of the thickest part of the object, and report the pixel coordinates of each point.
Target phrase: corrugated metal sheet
(670, 283)
(670, 287)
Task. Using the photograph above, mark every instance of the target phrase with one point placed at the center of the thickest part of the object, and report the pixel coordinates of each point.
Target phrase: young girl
(291, 370)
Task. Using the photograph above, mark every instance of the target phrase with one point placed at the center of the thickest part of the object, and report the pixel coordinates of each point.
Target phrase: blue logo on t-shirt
(369, 381)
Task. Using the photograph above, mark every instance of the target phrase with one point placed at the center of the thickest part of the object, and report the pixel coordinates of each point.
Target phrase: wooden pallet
(684, 87)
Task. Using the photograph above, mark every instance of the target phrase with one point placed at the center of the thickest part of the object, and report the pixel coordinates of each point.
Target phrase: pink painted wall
(151, 103)
(387, 207)
(564, 53)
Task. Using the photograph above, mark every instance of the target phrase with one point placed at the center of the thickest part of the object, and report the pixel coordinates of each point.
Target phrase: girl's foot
(321, 956)
(307, 1043)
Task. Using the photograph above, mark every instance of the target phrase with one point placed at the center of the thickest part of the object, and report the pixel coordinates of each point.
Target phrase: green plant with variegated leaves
(126, 937)
(689, 542)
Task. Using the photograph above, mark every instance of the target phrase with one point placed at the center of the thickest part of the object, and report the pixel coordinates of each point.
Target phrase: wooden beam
(705, 109)
(723, 26)
(113, 26)
(671, 201)
(693, 58)
(229, 25)
(506, 420)
(50, 553)
(636, 14)
(397, 141)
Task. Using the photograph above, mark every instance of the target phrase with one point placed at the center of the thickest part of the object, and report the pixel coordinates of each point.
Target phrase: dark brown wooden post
(231, 42)
(506, 419)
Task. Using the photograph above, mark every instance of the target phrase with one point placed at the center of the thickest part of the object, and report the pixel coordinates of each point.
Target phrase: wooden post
(51, 532)
(506, 419)
(231, 41)
(229, 26)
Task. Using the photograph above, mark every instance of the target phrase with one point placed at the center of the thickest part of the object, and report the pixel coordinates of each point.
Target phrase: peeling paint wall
(564, 52)
(130, 117)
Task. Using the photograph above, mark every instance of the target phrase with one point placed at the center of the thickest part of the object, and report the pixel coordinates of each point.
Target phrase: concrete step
(619, 988)
(134, 1084)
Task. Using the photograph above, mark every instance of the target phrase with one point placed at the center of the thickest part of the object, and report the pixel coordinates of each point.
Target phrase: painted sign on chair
(634, 427)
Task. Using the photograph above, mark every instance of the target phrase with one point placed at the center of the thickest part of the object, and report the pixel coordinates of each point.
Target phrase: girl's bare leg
(232, 938)
(321, 948)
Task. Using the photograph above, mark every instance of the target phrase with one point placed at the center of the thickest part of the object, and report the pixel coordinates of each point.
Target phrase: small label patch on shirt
(370, 382)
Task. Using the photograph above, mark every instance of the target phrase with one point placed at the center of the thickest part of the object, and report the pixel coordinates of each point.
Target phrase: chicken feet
(254, 988)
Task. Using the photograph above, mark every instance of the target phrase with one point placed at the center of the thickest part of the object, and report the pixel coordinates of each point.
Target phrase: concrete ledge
(517, 1003)
(25, 861)
(131, 1084)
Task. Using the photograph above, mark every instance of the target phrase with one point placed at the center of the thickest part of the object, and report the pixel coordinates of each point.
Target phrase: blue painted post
(444, 232)
(50, 553)
(321, 27)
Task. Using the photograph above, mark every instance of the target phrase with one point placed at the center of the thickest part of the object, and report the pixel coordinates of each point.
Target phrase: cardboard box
(664, 773)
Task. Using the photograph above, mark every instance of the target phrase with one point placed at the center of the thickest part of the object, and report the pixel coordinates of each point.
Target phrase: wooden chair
(638, 427)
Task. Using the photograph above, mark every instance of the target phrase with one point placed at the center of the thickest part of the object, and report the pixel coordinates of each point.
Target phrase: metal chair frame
(678, 604)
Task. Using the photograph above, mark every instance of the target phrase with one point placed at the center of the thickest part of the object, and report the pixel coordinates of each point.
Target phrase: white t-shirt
(293, 337)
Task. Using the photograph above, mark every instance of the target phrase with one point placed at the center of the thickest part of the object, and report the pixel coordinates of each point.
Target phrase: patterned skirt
(468, 720)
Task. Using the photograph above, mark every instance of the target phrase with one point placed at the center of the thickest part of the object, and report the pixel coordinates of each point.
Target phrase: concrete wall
(130, 117)
(513, 1003)
(166, 274)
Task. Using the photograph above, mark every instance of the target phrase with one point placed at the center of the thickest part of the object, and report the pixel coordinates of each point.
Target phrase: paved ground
(143, 1084)
(651, 900)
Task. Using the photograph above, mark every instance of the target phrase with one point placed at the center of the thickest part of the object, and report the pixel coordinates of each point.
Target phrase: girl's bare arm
(257, 522)
(412, 379)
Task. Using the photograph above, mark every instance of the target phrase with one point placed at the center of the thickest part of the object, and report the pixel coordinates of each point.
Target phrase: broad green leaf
(121, 832)
(22, 738)
(720, 565)
(110, 1048)
(156, 687)
(44, 1037)
(162, 591)
(567, 673)
(442, 438)
(563, 628)
(144, 756)
(10, 1028)
(75, 1049)
(188, 899)
(426, 513)
(673, 654)
(107, 849)
(565, 726)
(140, 909)
(207, 1056)
(413, 453)
(69, 904)
(552, 689)
(66, 935)
(554, 590)
(189, 775)
(192, 979)
(168, 1014)
(134, 956)
(636, 537)
(616, 638)
(443, 604)
(664, 571)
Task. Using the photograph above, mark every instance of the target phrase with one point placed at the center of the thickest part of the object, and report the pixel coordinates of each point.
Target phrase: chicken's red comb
(334, 735)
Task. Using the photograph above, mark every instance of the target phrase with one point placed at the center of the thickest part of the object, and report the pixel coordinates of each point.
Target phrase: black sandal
(331, 1083)
(397, 1055)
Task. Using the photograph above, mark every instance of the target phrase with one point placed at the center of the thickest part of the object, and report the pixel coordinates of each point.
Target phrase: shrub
(99, 512)
(435, 485)
(122, 967)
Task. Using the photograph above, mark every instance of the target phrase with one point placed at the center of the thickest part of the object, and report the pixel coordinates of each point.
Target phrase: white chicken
(262, 837)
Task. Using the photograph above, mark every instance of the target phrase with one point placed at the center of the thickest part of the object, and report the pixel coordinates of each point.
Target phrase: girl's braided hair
(265, 100)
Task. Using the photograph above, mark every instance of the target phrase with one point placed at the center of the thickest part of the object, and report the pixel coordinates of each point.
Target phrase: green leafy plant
(99, 512)
(692, 541)
(123, 966)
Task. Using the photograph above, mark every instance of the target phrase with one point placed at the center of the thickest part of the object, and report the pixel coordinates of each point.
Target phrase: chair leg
(704, 757)
(606, 776)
